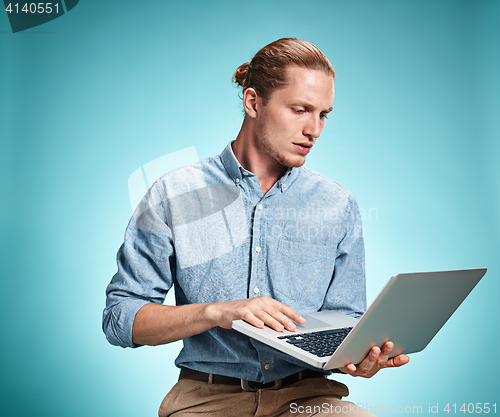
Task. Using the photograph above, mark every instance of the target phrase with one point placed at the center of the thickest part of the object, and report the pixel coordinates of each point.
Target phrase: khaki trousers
(309, 397)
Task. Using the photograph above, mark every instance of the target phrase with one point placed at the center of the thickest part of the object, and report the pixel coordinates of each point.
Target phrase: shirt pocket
(301, 273)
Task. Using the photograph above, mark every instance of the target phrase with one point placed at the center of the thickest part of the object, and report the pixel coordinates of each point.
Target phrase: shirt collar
(236, 171)
(233, 167)
(285, 181)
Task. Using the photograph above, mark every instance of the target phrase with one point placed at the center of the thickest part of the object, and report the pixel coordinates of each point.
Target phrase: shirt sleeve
(146, 262)
(347, 291)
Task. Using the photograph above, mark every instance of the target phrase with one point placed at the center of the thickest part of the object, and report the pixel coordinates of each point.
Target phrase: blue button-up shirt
(207, 230)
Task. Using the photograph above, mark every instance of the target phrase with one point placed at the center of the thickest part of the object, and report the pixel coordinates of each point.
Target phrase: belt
(187, 373)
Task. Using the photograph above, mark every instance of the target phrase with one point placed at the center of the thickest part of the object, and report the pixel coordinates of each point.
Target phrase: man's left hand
(375, 361)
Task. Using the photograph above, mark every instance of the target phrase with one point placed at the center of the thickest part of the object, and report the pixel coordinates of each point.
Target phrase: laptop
(409, 311)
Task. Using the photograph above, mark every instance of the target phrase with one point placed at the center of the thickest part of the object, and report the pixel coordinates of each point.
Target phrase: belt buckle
(246, 387)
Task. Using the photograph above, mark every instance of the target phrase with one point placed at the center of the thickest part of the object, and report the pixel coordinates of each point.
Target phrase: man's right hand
(258, 311)
(157, 324)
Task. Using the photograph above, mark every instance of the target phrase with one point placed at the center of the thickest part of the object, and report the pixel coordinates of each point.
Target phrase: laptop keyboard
(321, 344)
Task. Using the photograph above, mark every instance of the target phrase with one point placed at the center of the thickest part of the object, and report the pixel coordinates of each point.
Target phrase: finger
(348, 369)
(268, 311)
(278, 316)
(399, 360)
(387, 348)
(253, 320)
(288, 311)
(371, 358)
(284, 320)
(365, 367)
(270, 321)
(385, 353)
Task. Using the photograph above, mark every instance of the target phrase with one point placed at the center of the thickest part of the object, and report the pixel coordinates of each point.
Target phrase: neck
(253, 158)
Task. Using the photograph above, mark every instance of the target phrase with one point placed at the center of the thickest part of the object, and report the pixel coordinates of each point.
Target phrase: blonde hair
(266, 71)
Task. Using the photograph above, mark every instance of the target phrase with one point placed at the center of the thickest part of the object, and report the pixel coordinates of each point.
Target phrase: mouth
(304, 148)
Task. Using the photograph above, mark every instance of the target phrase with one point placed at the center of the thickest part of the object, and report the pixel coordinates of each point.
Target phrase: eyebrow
(307, 104)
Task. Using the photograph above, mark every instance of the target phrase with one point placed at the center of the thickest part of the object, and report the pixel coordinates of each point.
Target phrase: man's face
(294, 116)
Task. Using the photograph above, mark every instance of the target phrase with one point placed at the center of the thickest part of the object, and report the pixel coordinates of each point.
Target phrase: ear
(250, 99)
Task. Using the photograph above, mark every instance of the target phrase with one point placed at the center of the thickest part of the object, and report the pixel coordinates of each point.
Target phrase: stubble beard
(268, 146)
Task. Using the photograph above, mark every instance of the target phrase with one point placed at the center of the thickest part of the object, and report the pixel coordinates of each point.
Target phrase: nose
(313, 128)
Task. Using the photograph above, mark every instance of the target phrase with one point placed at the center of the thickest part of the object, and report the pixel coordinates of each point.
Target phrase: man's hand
(258, 311)
(376, 360)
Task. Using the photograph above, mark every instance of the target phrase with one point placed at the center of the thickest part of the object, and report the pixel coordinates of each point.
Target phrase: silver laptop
(409, 311)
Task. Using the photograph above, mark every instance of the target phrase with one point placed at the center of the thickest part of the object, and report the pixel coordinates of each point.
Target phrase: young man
(249, 234)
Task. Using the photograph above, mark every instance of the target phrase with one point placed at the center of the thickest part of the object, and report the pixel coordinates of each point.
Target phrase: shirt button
(257, 249)
(260, 206)
(256, 290)
(237, 180)
(245, 173)
(266, 366)
(284, 186)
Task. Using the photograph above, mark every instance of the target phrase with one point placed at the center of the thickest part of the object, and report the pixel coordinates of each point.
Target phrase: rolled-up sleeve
(146, 263)
(347, 291)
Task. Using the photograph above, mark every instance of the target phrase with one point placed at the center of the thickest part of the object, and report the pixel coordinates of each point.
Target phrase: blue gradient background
(89, 97)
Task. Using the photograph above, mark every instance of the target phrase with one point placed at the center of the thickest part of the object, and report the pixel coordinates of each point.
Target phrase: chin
(294, 161)
(287, 157)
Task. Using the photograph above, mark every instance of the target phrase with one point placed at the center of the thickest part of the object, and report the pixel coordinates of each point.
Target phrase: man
(249, 234)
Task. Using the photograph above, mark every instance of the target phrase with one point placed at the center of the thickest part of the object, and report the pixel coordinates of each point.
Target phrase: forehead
(304, 84)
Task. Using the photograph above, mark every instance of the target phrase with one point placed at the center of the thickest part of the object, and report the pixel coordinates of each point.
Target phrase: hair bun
(240, 77)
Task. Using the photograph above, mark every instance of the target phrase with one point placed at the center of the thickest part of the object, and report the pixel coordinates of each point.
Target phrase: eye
(298, 110)
(323, 116)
